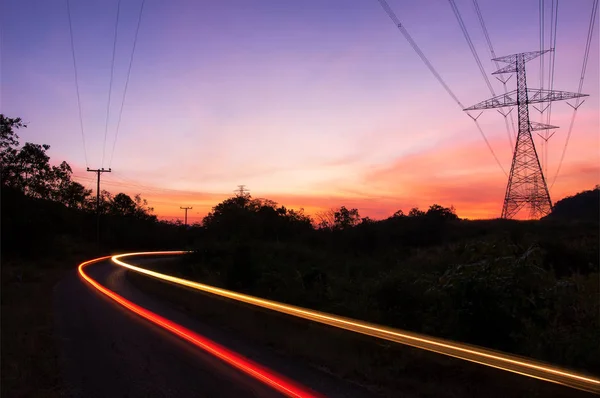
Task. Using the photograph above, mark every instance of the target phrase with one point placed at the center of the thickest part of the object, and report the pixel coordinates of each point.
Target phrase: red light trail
(268, 377)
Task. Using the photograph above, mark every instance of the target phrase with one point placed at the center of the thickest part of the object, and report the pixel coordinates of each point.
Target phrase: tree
(241, 217)
(28, 169)
(228, 210)
(33, 169)
(345, 218)
(8, 136)
(122, 205)
(440, 212)
(325, 219)
(415, 212)
(59, 182)
(75, 195)
(9, 141)
(142, 210)
(105, 201)
(398, 213)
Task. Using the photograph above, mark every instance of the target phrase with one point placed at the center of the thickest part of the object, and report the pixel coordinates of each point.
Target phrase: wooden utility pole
(98, 172)
(186, 209)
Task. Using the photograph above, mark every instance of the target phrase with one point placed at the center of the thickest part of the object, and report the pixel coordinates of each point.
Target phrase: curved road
(107, 351)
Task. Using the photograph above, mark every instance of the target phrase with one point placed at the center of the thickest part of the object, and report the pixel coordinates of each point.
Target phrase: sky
(314, 103)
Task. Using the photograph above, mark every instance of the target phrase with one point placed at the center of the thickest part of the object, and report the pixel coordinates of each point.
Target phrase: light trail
(511, 363)
(260, 373)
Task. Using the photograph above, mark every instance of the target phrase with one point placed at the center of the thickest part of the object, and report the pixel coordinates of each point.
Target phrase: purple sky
(306, 97)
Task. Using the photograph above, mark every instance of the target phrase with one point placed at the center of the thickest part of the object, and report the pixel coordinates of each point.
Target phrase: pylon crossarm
(533, 126)
(499, 101)
(512, 59)
(534, 95)
(510, 68)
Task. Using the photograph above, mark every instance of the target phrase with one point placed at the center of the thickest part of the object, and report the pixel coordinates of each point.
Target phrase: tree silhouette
(9, 141)
(415, 212)
(325, 219)
(398, 213)
(75, 196)
(123, 205)
(345, 218)
(443, 213)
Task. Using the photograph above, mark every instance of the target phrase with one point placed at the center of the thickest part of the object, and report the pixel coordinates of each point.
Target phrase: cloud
(463, 174)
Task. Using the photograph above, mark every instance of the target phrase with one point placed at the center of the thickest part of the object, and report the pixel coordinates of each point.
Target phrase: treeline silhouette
(46, 213)
(527, 287)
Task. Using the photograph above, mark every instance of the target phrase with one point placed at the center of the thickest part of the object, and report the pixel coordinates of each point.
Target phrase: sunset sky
(312, 103)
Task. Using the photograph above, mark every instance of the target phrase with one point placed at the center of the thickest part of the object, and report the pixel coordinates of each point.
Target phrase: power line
(588, 43)
(541, 110)
(420, 53)
(77, 83)
(412, 43)
(542, 34)
(463, 27)
(553, 35)
(137, 30)
(493, 55)
(110, 84)
(126, 183)
(581, 79)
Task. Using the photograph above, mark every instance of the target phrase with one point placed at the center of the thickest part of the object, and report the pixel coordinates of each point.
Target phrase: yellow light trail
(511, 363)
(268, 377)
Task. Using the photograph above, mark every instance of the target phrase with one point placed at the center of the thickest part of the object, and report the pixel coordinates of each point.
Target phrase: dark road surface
(107, 351)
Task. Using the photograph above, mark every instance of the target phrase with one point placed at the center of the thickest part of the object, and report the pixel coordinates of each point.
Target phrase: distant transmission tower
(526, 182)
(242, 191)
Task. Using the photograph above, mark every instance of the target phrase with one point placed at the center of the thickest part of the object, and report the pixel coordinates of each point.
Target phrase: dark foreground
(108, 352)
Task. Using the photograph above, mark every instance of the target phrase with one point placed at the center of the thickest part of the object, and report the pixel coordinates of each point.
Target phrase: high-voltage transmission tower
(526, 182)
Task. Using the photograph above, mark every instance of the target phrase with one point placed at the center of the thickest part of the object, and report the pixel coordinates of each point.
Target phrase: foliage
(242, 218)
(28, 169)
(344, 218)
(522, 287)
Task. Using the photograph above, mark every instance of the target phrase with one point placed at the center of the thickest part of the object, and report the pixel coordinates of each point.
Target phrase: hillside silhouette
(584, 205)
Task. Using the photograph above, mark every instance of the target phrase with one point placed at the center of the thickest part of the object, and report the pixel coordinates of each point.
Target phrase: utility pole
(186, 209)
(526, 182)
(98, 172)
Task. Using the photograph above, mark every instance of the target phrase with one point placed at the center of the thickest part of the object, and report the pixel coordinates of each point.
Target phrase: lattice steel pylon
(526, 181)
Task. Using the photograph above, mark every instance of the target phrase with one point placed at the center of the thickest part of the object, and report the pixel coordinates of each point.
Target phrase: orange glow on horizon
(460, 174)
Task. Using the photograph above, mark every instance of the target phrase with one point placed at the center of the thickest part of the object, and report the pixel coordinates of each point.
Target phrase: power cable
(493, 55)
(551, 68)
(137, 30)
(77, 83)
(420, 53)
(541, 9)
(112, 70)
(581, 79)
(463, 27)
